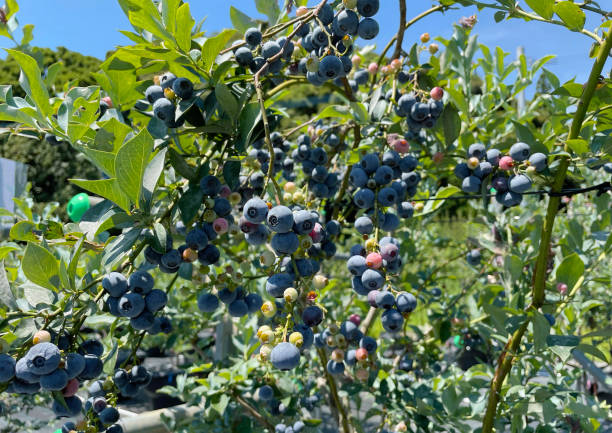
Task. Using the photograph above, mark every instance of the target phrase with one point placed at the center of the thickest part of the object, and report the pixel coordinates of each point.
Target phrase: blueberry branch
(505, 362)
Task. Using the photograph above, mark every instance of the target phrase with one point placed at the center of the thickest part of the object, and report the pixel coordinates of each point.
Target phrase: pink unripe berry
(355, 318)
(362, 374)
(225, 191)
(361, 354)
(356, 60)
(385, 70)
(562, 288)
(436, 93)
(401, 145)
(433, 48)
(71, 389)
(317, 233)
(41, 336)
(425, 38)
(438, 157)
(337, 355)
(220, 225)
(389, 252)
(301, 11)
(373, 68)
(396, 64)
(506, 162)
(374, 260)
(108, 101)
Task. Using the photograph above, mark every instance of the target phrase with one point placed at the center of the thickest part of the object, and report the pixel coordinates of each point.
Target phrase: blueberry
(258, 236)
(509, 198)
(55, 381)
(372, 279)
(312, 316)
(326, 14)
(156, 300)
(367, 8)
(121, 378)
(364, 198)
(196, 239)
(471, 184)
(209, 255)
(91, 347)
(131, 305)
(161, 325)
(152, 256)
(607, 167)
(364, 225)
(42, 358)
(166, 80)
(298, 426)
(140, 375)
(539, 161)
(408, 163)
(69, 427)
(358, 177)
(392, 320)
(141, 282)
(330, 67)
(519, 183)
(153, 93)
(255, 210)
(474, 257)
(24, 374)
(385, 299)
(253, 36)
(238, 308)
(109, 416)
(519, 151)
(280, 219)
(435, 108)
(387, 196)
(99, 404)
(368, 28)
(357, 265)
(350, 330)
(285, 243)
(244, 56)
(277, 283)
(370, 163)
(346, 23)
(7, 367)
(406, 302)
(270, 49)
(210, 185)
(115, 284)
(20, 387)
(476, 150)
(390, 222)
(411, 179)
(183, 88)
(333, 228)
(419, 111)
(93, 367)
(164, 110)
(115, 428)
(383, 175)
(285, 356)
(266, 393)
(73, 407)
(405, 210)
(304, 222)
(226, 295)
(550, 318)
(254, 302)
(483, 170)
(493, 156)
(361, 77)
(334, 367)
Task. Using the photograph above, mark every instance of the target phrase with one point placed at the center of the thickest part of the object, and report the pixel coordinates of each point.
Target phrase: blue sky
(92, 27)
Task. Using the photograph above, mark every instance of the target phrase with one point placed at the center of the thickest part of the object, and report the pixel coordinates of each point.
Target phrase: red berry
(436, 93)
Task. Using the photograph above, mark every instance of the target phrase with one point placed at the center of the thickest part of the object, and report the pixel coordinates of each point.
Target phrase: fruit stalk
(505, 362)
(334, 392)
(400, 32)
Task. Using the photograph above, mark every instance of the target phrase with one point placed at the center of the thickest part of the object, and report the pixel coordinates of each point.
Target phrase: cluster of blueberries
(296, 427)
(265, 393)
(387, 182)
(419, 113)
(328, 42)
(161, 95)
(508, 174)
(136, 299)
(239, 302)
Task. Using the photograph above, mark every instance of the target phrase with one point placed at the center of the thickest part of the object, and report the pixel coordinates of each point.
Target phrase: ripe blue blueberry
(270, 49)
(183, 88)
(357, 265)
(156, 300)
(369, 344)
(392, 320)
(164, 110)
(285, 243)
(109, 416)
(312, 316)
(209, 255)
(419, 111)
(92, 347)
(406, 302)
(210, 185)
(265, 392)
(372, 279)
(330, 67)
(280, 219)
(334, 367)
(166, 80)
(364, 198)
(493, 156)
(54, 381)
(7, 367)
(390, 222)
(368, 28)
(73, 407)
(368, 8)
(258, 236)
(385, 299)
(387, 196)
(476, 150)
(304, 222)
(474, 257)
(519, 183)
(42, 358)
(358, 177)
(131, 305)
(115, 284)
(253, 36)
(277, 283)
(285, 356)
(326, 14)
(153, 93)
(364, 225)
(471, 184)
(539, 161)
(238, 308)
(93, 367)
(196, 239)
(520, 151)
(255, 210)
(254, 302)
(141, 282)
(509, 198)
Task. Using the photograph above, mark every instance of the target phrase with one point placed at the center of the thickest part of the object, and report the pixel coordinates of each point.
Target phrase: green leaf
(119, 246)
(107, 188)
(578, 145)
(168, 11)
(231, 173)
(130, 164)
(5, 250)
(571, 14)
(442, 193)
(190, 203)
(40, 267)
(269, 8)
(6, 294)
(228, 102)
(449, 124)
(32, 83)
(541, 329)
(543, 8)
(570, 270)
(340, 111)
(37, 295)
(249, 118)
(180, 165)
(184, 25)
(240, 20)
(499, 16)
(151, 176)
(23, 231)
(104, 160)
(213, 46)
(160, 237)
(359, 112)
(563, 340)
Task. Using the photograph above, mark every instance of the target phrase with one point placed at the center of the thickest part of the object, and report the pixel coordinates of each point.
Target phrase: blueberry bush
(333, 294)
